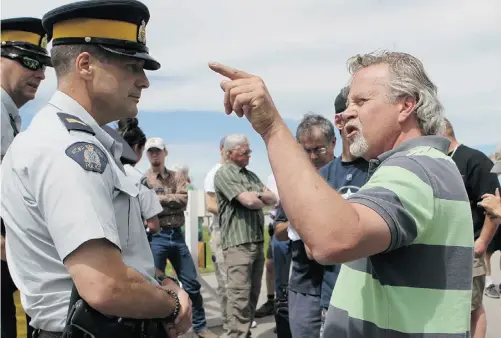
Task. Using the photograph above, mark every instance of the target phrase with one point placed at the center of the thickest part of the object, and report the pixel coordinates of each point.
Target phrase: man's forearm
(322, 217)
(488, 230)
(281, 231)
(176, 201)
(268, 198)
(4, 255)
(135, 297)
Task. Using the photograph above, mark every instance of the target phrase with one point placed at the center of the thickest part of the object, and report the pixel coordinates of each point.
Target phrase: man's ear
(84, 65)
(407, 106)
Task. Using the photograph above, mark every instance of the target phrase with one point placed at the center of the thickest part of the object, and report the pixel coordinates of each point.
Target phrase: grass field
(21, 319)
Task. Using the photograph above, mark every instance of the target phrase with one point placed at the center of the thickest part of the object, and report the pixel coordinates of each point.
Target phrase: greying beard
(359, 146)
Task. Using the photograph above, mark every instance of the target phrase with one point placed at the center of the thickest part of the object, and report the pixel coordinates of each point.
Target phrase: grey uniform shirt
(61, 189)
(8, 107)
(148, 200)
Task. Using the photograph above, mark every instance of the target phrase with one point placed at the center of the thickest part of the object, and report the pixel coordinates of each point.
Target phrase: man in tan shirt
(172, 190)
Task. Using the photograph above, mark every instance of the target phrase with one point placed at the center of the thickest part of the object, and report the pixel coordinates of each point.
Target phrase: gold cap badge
(141, 34)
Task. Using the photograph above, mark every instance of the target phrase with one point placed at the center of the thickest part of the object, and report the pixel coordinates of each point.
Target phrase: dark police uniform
(24, 40)
(47, 217)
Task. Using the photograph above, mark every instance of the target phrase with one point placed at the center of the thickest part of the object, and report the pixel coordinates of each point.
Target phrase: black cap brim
(33, 51)
(149, 62)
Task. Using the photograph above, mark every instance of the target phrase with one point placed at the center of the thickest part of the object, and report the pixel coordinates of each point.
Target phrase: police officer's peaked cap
(26, 34)
(118, 26)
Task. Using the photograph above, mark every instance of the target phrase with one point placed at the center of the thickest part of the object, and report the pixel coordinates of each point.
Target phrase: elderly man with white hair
(405, 237)
(241, 197)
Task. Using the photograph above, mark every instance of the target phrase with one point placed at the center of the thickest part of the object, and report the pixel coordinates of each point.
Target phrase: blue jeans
(169, 244)
(281, 262)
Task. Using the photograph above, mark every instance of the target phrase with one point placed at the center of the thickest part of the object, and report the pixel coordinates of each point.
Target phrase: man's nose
(40, 74)
(143, 82)
(348, 114)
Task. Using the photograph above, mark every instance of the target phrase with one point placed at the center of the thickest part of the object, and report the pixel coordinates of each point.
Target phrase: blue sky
(300, 49)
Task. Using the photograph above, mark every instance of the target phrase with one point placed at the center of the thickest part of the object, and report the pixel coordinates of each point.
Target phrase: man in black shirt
(475, 168)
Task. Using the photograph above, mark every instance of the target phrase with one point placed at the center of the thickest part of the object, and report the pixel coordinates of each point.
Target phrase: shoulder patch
(89, 156)
(72, 122)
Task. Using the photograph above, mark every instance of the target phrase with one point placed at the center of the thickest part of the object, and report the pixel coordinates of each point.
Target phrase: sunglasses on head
(26, 61)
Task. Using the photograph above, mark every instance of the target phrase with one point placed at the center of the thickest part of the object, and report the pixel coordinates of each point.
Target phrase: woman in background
(148, 200)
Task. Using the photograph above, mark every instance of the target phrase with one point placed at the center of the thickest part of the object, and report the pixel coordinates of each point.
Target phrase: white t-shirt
(209, 187)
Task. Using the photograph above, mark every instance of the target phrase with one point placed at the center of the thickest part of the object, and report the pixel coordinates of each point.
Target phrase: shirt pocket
(127, 212)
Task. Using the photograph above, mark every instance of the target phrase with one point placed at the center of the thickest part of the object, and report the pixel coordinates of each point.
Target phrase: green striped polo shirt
(421, 285)
(238, 224)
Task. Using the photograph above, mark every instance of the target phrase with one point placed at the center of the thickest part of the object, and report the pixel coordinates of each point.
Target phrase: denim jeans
(169, 244)
(282, 263)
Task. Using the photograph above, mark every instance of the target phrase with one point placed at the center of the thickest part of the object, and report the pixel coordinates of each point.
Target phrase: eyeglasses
(26, 61)
(316, 151)
(244, 153)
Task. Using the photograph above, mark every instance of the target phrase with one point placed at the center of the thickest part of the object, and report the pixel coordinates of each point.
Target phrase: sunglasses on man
(26, 61)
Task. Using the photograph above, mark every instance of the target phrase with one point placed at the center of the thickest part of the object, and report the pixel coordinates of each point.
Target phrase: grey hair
(63, 56)
(234, 141)
(311, 120)
(408, 79)
(221, 143)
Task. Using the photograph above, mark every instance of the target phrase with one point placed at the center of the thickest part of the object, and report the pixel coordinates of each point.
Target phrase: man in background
(169, 243)
(241, 197)
(215, 233)
(475, 168)
(492, 287)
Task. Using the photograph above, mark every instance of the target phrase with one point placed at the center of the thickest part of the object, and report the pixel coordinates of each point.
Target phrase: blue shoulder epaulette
(72, 122)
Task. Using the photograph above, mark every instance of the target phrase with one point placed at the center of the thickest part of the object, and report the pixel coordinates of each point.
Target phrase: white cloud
(300, 49)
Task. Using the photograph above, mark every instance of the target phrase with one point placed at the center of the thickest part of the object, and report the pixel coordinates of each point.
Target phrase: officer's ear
(85, 64)
(166, 152)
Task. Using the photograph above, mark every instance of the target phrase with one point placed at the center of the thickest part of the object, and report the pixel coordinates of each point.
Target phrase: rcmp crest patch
(89, 156)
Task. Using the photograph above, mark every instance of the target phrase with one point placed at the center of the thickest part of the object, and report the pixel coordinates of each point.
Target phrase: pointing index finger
(229, 72)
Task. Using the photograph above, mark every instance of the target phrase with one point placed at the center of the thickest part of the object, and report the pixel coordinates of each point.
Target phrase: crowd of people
(392, 237)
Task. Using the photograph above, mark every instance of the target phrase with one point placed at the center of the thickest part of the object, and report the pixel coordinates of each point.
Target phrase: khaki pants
(215, 244)
(244, 267)
(478, 284)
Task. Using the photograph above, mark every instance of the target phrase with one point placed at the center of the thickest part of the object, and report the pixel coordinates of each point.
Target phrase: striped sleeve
(228, 184)
(400, 191)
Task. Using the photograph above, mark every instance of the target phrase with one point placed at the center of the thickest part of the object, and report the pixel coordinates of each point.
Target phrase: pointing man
(414, 208)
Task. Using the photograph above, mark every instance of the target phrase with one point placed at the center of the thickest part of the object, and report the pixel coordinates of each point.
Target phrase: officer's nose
(142, 81)
(39, 74)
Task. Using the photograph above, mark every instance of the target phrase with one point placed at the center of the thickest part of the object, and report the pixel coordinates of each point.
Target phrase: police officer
(24, 58)
(23, 62)
(72, 215)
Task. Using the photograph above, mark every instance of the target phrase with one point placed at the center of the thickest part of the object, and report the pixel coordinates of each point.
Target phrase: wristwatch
(164, 277)
(177, 308)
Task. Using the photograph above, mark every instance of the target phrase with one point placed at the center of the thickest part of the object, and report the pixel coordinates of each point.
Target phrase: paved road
(266, 325)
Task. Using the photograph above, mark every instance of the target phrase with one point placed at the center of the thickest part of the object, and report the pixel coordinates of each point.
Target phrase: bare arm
(281, 231)
(4, 256)
(268, 197)
(179, 199)
(112, 288)
(349, 231)
(250, 200)
(211, 203)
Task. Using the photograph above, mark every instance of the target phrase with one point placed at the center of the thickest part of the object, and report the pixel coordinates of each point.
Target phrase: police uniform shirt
(9, 109)
(66, 186)
(148, 200)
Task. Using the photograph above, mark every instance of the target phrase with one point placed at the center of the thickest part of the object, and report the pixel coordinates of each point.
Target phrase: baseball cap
(154, 142)
(340, 102)
(497, 160)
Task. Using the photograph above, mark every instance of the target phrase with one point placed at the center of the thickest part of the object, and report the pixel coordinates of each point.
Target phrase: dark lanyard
(13, 124)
